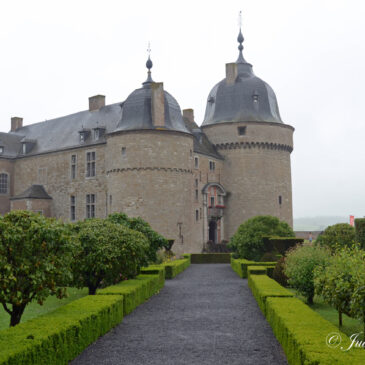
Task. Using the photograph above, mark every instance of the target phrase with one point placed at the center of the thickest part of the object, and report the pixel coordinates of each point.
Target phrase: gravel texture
(206, 315)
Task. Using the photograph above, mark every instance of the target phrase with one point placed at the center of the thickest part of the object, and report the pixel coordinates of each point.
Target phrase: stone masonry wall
(34, 205)
(7, 167)
(53, 171)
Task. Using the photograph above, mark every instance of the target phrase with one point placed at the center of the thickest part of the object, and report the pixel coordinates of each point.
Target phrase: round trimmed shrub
(300, 263)
(336, 236)
(248, 242)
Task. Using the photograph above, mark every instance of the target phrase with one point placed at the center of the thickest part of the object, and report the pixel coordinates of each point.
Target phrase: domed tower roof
(241, 96)
(141, 107)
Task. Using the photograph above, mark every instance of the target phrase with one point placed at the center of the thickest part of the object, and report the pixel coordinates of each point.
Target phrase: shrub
(248, 239)
(280, 245)
(109, 252)
(156, 241)
(35, 260)
(279, 274)
(360, 231)
(300, 263)
(338, 235)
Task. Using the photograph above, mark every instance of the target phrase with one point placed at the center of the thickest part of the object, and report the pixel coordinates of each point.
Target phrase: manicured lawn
(35, 310)
(349, 325)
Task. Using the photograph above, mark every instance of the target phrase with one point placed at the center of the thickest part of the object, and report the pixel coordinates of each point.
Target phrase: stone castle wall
(7, 167)
(149, 174)
(256, 170)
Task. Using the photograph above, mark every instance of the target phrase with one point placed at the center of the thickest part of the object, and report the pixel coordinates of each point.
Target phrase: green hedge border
(301, 331)
(210, 258)
(173, 268)
(240, 266)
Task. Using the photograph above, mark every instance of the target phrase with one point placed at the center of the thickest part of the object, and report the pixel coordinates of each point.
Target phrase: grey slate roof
(33, 192)
(11, 144)
(137, 112)
(235, 102)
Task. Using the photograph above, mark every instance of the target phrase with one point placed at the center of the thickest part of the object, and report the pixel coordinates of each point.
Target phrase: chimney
(16, 123)
(158, 104)
(189, 115)
(96, 102)
(231, 73)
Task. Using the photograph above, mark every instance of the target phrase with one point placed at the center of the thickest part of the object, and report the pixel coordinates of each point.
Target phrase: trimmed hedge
(302, 333)
(280, 244)
(360, 231)
(240, 266)
(263, 287)
(256, 270)
(187, 256)
(175, 267)
(59, 336)
(210, 258)
(158, 270)
(135, 291)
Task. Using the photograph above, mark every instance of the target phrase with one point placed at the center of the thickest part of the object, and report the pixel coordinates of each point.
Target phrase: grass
(34, 309)
(349, 325)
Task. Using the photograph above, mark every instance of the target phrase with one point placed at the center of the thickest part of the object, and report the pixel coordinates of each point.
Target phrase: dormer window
(24, 148)
(1, 150)
(84, 134)
(98, 133)
(255, 97)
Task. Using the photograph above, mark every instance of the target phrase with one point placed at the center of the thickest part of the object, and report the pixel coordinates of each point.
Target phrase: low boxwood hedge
(240, 266)
(256, 270)
(263, 287)
(158, 270)
(303, 332)
(175, 267)
(135, 291)
(210, 258)
(59, 336)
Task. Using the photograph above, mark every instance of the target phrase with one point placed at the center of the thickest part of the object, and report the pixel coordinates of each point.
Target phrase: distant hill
(317, 223)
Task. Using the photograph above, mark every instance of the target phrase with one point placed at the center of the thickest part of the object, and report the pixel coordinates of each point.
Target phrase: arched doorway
(213, 231)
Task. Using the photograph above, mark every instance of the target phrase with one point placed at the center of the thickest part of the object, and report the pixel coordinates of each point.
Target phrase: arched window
(4, 182)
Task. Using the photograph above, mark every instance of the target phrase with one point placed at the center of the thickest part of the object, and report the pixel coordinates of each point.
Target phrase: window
(73, 207)
(191, 153)
(200, 213)
(90, 164)
(196, 214)
(212, 201)
(196, 162)
(73, 166)
(42, 175)
(211, 165)
(96, 134)
(1, 149)
(280, 200)
(82, 137)
(24, 148)
(90, 206)
(196, 183)
(124, 151)
(241, 131)
(196, 194)
(110, 202)
(4, 183)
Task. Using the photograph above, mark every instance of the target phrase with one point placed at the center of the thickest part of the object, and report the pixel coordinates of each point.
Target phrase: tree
(248, 242)
(35, 259)
(109, 252)
(300, 263)
(342, 282)
(156, 241)
(338, 235)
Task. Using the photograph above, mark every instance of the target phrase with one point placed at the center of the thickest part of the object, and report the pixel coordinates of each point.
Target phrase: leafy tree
(342, 282)
(338, 235)
(300, 263)
(156, 241)
(109, 252)
(35, 259)
(248, 241)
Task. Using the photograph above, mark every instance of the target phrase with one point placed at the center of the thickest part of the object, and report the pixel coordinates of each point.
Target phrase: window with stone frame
(196, 162)
(73, 166)
(4, 183)
(196, 215)
(42, 175)
(72, 207)
(196, 194)
(211, 165)
(90, 164)
(90, 205)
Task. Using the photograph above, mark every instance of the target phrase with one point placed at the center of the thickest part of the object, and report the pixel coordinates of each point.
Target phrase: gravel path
(206, 315)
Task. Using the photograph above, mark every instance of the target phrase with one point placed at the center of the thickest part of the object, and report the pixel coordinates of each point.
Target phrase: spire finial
(240, 40)
(149, 65)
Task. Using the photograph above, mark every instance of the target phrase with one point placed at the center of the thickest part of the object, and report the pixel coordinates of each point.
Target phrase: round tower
(149, 163)
(242, 120)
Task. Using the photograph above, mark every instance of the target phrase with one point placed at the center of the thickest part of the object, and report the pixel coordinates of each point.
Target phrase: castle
(145, 158)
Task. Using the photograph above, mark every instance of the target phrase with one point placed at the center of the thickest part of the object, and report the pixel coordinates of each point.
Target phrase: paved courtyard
(206, 315)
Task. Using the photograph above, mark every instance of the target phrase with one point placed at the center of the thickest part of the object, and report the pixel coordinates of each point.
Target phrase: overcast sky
(55, 54)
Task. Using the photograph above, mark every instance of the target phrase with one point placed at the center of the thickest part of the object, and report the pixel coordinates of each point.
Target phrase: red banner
(352, 220)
